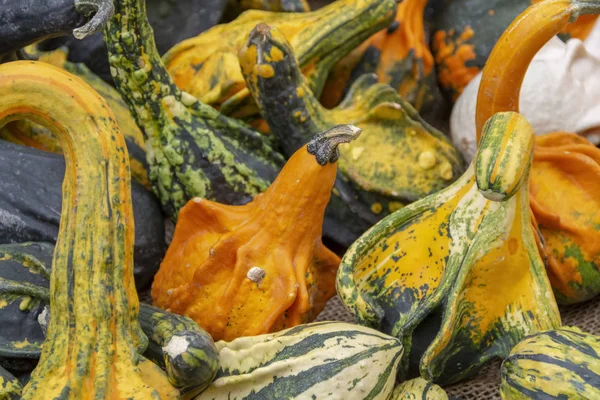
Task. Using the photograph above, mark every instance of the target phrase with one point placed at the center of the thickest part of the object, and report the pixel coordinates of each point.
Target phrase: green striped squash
(556, 364)
(323, 360)
(418, 388)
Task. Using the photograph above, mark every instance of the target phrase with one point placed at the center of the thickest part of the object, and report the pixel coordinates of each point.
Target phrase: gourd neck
(506, 67)
(274, 78)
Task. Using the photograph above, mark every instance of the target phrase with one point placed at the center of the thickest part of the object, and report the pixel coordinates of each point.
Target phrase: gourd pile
(368, 149)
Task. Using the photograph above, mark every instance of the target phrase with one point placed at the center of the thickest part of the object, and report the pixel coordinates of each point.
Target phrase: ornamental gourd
(466, 31)
(400, 57)
(323, 360)
(175, 343)
(418, 388)
(425, 273)
(93, 298)
(194, 150)
(399, 159)
(23, 22)
(557, 364)
(565, 187)
(29, 134)
(206, 66)
(260, 267)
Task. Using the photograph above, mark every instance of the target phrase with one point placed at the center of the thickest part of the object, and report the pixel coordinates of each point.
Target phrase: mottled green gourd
(192, 150)
(10, 387)
(322, 360)
(418, 389)
(398, 159)
(206, 65)
(94, 342)
(425, 273)
(557, 364)
(175, 343)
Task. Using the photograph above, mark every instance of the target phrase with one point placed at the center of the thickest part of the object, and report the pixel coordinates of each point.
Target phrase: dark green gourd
(194, 150)
(31, 198)
(23, 22)
(176, 343)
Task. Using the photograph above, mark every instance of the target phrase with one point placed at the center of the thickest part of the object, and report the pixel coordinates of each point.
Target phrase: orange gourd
(260, 267)
(565, 175)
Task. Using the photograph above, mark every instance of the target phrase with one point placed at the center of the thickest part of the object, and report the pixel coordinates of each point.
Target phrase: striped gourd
(418, 388)
(438, 259)
(323, 360)
(558, 364)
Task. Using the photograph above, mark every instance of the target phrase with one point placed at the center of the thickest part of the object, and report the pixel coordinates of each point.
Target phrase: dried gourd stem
(102, 11)
(324, 146)
(506, 67)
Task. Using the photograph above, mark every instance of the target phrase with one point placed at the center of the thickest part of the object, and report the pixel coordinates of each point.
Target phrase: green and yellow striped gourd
(322, 360)
(457, 275)
(557, 364)
(418, 389)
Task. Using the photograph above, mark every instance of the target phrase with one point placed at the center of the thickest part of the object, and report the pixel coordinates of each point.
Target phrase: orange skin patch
(451, 58)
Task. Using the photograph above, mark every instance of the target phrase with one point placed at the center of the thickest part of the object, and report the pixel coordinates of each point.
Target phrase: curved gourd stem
(94, 338)
(506, 67)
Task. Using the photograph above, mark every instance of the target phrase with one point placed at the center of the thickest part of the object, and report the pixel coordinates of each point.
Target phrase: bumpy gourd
(177, 344)
(206, 66)
(557, 364)
(193, 150)
(418, 388)
(93, 299)
(23, 22)
(561, 183)
(466, 31)
(29, 134)
(260, 267)
(442, 256)
(400, 57)
(321, 360)
(399, 159)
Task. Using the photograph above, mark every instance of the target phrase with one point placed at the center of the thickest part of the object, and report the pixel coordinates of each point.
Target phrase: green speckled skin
(192, 150)
(398, 159)
(426, 272)
(10, 388)
(557, 364)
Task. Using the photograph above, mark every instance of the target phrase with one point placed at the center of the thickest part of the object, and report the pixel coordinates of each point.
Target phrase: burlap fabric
(485, 385)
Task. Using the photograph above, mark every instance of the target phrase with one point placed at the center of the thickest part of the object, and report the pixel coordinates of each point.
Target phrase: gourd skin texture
(442, 255)
(398, 159)
(192, 149)
(570, 248)
(418, 388)
(27, 133)
(466, 31)
(558, 364)
(565, 200)
(93, 299)
(273, 5)
(10, 388)
(175, 343)
(323, 360)
(400, 57)
(260, 267)
(31, 198)
(207, 66)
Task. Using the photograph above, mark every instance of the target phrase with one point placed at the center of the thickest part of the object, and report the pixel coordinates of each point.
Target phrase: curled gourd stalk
(260, 267)
(30, 134)
(94, 342)
(418, 388)
(207, 66)
(192, 149)
(399, 159)
(565, 188)
(399, 55)
(442, 256)
(23, 22)
(466, 32)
